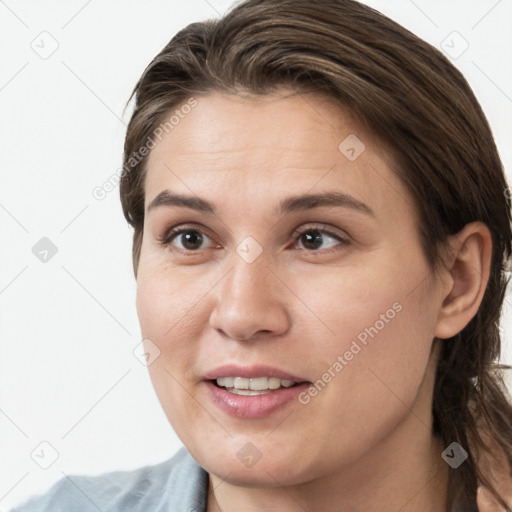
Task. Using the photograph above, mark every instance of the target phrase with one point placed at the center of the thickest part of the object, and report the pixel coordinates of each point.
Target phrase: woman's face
(296, 257)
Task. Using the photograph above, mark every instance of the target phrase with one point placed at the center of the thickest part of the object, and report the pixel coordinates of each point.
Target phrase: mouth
(245, 386)
(253, 392)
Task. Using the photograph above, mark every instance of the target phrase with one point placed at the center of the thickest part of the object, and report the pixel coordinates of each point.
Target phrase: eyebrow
(290, 204)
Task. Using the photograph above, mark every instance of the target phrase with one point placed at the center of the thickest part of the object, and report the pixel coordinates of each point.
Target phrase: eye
(314, 238)
(186, 239)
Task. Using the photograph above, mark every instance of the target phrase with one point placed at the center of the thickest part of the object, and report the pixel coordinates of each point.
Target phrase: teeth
(247, 392)
(255, 385)
(274, 383)
(258, 384)
(241, 383)
(226, 382)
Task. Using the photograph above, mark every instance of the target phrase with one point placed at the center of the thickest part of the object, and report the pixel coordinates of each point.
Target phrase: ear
(468, 267)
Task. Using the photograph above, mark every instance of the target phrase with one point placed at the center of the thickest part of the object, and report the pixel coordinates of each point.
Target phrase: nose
(250, 302)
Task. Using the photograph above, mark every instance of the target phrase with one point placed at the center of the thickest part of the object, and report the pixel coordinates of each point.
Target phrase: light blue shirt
(178, 484)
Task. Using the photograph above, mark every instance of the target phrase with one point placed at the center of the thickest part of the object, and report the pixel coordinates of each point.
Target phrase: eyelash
(173, 233)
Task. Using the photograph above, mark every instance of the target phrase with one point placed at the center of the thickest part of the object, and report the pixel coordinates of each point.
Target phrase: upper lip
(251, 372)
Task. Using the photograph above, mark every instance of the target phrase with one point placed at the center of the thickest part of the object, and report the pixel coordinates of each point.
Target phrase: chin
(262, 475)
(276, 467)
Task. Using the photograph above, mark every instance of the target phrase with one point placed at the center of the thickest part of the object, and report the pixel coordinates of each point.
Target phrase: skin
(364, 442)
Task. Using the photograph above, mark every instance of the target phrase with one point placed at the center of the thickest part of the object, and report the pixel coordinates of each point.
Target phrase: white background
(68, 327)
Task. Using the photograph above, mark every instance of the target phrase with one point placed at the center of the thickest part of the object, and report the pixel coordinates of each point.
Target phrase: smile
(253, 386)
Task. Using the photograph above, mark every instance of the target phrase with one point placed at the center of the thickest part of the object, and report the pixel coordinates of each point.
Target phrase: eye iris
(191, 239)
(313, 239)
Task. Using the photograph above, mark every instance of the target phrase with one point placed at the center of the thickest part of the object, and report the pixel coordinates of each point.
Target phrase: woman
(321, 231)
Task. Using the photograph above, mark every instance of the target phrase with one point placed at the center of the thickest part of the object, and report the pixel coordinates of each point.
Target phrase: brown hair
(409, 95)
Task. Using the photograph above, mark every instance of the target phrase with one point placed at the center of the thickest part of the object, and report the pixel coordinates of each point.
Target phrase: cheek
(165, 307)
(378, 317)
(168, 300)
(374, 364)
(368, 301)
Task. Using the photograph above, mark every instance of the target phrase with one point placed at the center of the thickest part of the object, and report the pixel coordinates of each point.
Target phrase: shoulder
(178, 483)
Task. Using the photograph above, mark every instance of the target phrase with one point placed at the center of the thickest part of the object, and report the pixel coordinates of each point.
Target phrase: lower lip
(256, 406)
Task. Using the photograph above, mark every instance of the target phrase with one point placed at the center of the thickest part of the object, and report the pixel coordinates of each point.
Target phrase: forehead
(261, 147)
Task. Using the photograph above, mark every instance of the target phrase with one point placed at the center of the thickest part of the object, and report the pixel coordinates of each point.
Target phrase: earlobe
(469, 266)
